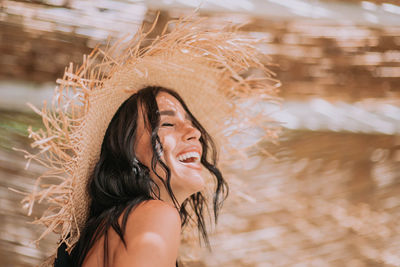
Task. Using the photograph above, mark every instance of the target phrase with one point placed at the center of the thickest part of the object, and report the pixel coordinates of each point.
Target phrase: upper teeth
(189, 155)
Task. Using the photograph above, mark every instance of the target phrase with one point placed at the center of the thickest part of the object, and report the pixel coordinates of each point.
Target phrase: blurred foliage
(14, 128)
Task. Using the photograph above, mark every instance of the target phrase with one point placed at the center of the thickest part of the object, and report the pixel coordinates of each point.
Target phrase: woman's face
(181, 148)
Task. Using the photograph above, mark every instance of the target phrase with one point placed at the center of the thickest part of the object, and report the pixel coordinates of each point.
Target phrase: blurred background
(329, 196)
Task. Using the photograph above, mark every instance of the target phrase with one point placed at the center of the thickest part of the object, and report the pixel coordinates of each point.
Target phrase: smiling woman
(141, 184)
(181, 147)
(135, 164)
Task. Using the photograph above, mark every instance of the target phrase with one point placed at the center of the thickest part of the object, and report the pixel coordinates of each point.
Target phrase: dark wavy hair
(120, 181)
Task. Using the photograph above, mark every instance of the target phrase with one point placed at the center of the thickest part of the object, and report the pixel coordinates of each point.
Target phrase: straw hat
(206, 67)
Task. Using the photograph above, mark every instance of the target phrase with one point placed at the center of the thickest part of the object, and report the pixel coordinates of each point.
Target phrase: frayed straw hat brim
(204, 66)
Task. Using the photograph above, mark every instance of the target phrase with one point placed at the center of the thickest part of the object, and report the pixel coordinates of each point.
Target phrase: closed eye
(166, 124)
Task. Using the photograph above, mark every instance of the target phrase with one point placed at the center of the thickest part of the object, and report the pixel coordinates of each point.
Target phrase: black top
(63, 259)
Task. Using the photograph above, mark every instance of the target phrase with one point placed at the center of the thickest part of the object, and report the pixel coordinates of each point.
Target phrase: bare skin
(152, 239)
(153, 229)
(177, 136)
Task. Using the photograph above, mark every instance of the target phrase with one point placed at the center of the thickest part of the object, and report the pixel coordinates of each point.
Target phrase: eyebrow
(172, 113)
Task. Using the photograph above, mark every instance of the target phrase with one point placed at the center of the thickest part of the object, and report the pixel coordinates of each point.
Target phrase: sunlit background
(330, 193)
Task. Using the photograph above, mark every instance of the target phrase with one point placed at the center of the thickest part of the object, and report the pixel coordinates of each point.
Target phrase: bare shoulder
(156, 210)
(152, 236)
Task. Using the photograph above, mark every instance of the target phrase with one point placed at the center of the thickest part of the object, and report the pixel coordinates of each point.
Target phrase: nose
(191, 132)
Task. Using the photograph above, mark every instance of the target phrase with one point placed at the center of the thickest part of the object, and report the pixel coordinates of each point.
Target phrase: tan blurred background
(331, 194)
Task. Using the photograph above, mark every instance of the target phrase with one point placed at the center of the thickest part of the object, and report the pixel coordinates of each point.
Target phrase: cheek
(168, 143)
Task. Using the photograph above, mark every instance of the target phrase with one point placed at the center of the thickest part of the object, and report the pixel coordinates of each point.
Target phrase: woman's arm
(152, 236)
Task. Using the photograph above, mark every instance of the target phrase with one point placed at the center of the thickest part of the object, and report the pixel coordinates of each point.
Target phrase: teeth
(189, 155)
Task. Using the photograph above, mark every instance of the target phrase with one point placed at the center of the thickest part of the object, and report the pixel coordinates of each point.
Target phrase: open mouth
(189, 157)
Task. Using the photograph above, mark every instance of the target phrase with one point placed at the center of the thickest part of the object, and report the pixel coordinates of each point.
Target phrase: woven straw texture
(206, 67)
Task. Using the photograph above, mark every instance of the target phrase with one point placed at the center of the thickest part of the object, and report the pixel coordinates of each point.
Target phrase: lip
(194, 165)
(190, 149)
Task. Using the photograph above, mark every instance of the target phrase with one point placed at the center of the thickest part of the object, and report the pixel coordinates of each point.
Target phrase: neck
(165, 196)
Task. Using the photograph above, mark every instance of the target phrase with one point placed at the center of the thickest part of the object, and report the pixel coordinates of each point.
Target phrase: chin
(190, 184)
(197, 183)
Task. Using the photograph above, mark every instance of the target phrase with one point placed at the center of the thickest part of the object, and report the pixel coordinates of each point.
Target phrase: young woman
(150, 168)
(131, 157)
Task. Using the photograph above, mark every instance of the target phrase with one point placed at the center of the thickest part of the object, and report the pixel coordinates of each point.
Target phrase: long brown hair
(120, 181)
